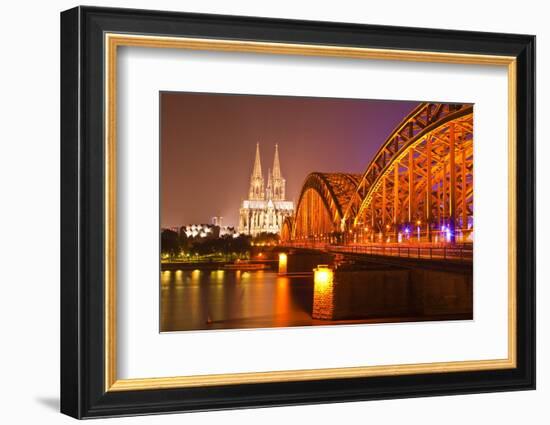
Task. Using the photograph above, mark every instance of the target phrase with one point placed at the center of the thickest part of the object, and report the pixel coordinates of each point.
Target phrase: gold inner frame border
(113, 40)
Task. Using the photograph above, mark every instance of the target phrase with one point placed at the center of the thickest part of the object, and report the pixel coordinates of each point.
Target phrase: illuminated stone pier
(283, 259)
(323, 293)
(385, 293)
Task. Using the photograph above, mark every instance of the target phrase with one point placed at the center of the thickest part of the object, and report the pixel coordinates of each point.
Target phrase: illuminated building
(266, 207)
(205, 231)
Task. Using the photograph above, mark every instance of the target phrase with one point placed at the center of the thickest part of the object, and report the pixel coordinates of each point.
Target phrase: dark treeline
(175, 244)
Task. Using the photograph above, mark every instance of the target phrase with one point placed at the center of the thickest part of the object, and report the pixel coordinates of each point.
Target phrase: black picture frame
(83, 392)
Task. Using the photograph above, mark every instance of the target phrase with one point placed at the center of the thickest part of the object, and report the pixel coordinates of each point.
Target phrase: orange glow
(283, 263)
(322, 276)
(323, 295)
(282, 301)
(195, 275)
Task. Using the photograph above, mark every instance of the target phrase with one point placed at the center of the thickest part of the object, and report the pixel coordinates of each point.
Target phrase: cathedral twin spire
(275, 189)
(266, 208)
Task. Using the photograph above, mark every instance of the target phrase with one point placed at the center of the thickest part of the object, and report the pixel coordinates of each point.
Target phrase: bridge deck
(407, 255)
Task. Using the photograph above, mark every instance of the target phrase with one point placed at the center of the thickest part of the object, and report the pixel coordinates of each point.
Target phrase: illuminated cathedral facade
(266, 207)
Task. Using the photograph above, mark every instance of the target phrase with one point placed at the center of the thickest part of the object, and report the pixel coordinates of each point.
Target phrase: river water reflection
(222, 299)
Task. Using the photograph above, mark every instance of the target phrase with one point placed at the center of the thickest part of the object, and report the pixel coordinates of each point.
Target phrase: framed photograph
(261, 212)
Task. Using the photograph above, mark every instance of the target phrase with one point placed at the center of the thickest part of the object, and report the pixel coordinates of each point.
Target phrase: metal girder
(286, 230)
(423, 120)
(426, 187)
(323, 195)
(421, 178)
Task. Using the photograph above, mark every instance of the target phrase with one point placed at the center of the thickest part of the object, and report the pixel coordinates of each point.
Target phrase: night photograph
(294, 211)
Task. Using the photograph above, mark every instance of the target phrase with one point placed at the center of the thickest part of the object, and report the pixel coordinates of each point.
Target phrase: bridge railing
(462, 253)
(458, 253)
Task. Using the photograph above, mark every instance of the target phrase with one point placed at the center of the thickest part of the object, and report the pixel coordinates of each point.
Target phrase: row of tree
(175, 244)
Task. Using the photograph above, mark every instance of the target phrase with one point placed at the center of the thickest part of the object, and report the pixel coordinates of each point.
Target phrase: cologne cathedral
(266, 207)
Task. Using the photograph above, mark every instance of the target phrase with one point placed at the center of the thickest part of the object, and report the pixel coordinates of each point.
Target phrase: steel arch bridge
(286, 229)
(321, 205)
(418, 187)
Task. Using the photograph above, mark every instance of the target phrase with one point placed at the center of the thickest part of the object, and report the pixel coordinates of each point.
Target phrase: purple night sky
(208, 143)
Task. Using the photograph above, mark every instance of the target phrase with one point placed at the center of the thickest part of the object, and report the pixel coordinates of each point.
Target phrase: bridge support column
(384, 223)
(452, 188)
(463, 207)
(412, 205)
(428, 216)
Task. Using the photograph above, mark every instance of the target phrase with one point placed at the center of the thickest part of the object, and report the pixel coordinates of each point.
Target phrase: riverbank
(217, 265)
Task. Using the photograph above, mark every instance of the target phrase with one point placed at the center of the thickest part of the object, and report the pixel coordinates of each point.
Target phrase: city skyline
(208, 144)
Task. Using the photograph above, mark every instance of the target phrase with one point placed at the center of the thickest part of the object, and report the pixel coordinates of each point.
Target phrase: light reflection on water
(227, 299)
(230, 299)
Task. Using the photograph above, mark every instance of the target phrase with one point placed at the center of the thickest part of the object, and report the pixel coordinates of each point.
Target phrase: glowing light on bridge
(322, 276)
(283, 258)
(323, 293)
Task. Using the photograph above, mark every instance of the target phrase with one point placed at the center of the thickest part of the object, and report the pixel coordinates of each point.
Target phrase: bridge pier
(391, 294)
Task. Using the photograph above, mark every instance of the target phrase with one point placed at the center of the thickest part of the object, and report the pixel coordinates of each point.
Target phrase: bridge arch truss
(321, 205)
(419, 185)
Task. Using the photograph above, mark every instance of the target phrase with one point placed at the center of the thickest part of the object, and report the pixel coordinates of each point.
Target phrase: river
(231, 299)
(221, 299)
